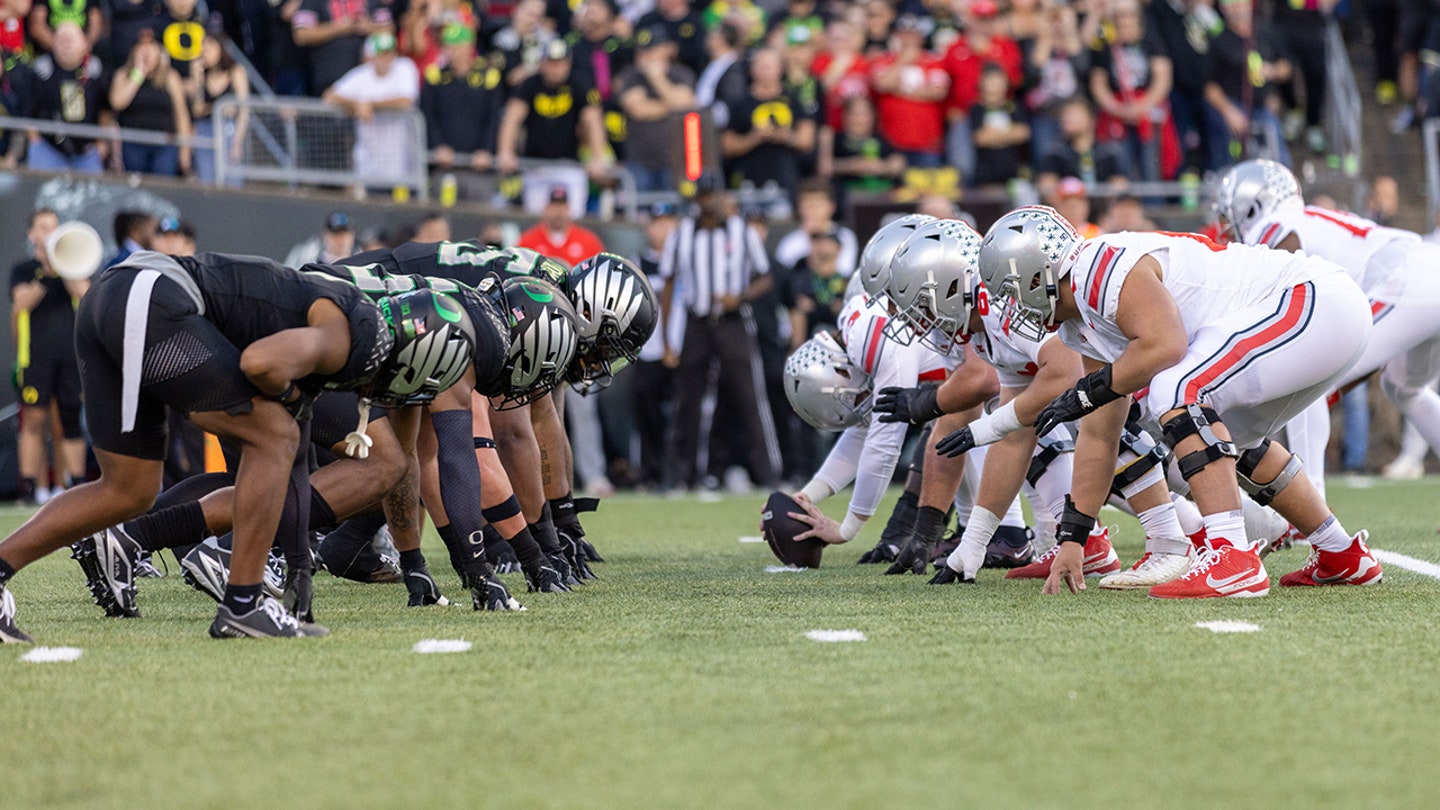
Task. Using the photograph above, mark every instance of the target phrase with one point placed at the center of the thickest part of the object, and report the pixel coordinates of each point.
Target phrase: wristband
(1074, 525)
(851, 526)
(137, 76)
(992, 427)
(284, 397)
(1093, 390)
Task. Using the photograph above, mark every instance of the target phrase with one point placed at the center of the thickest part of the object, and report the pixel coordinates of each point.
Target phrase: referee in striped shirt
(718, 263)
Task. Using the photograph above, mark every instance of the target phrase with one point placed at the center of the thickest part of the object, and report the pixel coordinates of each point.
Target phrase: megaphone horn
(75, 251)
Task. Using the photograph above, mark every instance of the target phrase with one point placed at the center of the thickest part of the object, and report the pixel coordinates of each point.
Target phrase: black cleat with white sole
(9, 632)
(207, 568)
(108, 560)
(268, 620)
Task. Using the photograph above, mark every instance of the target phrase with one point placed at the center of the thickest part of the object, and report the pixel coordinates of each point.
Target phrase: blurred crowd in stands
(984, 92)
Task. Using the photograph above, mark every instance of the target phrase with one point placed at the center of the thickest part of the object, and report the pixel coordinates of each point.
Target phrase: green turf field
(684, 679)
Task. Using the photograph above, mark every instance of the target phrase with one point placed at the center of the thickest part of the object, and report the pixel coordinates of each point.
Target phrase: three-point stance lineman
(1199, 333)
(231, 341)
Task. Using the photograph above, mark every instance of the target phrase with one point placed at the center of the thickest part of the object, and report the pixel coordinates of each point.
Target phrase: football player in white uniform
(1199, 333)
(1259, 203)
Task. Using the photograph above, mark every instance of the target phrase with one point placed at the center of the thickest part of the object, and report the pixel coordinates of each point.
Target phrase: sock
(1188, 514)
(241, 599)
(1331, 536)
(412, 560)
(929, 525)
(1163, 534)
(27, 487)
(1014, 516)
(171, 527)
(1227, 528)
(6, 572)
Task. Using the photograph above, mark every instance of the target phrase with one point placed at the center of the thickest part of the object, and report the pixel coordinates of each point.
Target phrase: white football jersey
(1208, 281)
(1346, 239)
(1015, 358)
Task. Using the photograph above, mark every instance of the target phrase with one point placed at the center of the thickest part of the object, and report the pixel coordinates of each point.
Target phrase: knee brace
(1146, 469)
(1264, 494)
(1045, 454)
(1196, 420)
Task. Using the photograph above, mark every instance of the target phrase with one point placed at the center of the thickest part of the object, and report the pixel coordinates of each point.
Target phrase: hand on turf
(489, 593)
(1068, 568)
(545, 579)
(961, 441)
(914, 558)
(502, 555)
(883, 552)
(914, 405)
(821, 525)
(423, 588)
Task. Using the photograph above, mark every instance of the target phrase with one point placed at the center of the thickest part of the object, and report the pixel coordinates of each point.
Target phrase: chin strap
(357, 444)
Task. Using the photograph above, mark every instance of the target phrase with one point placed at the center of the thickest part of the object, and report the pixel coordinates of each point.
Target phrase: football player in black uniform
(235, 342)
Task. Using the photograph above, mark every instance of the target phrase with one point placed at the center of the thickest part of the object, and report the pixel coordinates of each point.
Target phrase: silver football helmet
(824, 387)
(874, 269)
(930, 282)
(1251, 191)
(1023, 258)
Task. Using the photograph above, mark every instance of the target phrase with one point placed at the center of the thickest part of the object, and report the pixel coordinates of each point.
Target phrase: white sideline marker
(835, 635)
(50, 655)
(1229, 627)
(442, 645)
(751, 538)
(783, 569)
(1422, 567)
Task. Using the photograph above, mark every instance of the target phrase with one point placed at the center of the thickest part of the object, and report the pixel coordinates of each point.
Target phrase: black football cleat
(9, 632)
(269, 619)
(947, 544)
(1011, 547)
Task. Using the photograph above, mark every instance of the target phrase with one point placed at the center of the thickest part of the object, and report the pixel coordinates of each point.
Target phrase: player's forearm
(972, 384)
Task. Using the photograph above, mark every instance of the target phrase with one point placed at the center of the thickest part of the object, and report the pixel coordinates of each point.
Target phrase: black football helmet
(434, 341)
(618, 311)
(543, 338)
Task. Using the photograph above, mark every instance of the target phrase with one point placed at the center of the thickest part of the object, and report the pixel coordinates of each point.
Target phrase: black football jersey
(251, 297)
(467, 262)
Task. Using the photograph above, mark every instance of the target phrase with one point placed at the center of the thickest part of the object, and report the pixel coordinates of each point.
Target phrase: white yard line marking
(783, 569)
(835, 635)
(50, 655)
(1423, 567)
(750, 538)
(1228, 627)
(442, 645)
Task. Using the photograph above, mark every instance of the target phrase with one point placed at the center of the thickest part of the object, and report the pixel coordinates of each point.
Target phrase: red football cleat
(1353, 566)
(1100, 559)
(1226, 571)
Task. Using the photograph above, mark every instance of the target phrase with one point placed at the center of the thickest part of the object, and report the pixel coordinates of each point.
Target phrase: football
(780, 530)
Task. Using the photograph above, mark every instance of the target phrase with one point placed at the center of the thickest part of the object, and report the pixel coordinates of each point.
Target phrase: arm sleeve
(844, 459)
(460, 478)
(883, 440)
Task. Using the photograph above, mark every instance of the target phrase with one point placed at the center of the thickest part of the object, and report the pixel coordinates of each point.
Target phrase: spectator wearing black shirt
(46, 17)
(1077, 154)
(1130, 79)
(722, 82)
(462, 100)
(859, 157)
(149, 94)
(334, 31)
(600, 54)
(46, 371)
(1246, 60)
(817, 289)
(682, 24)
(558, 112)
(128, 20)
(770, 132)
(71, 87)
(998, 128)
(1184, 34)
(653, 93)
(17, 91)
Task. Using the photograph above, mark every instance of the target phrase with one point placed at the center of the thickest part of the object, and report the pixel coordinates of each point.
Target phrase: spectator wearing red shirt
(557, 236)
(842, 69)
(910, 89)
(982, 44)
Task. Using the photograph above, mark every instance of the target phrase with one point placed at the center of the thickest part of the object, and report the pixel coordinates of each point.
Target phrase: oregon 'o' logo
(554, 106)
(183, 40)
(776, 114)
(29, 395)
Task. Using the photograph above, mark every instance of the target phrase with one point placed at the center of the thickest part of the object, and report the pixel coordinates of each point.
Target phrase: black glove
(1089, 394)
(949, 576)
(914, 405)
(1074, 525)
(423, 589)
(591, 555)
(914, 558)
(299, 594)
(502, 555)
(883, 552)
(570, 546)
(545, 579)
(489, 593)
(961, 441)
(562, 567)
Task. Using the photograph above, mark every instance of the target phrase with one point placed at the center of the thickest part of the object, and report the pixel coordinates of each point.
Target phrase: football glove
(914, 405)
(1090, 393)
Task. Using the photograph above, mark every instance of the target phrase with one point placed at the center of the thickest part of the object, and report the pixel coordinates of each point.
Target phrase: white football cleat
(1150, 570)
